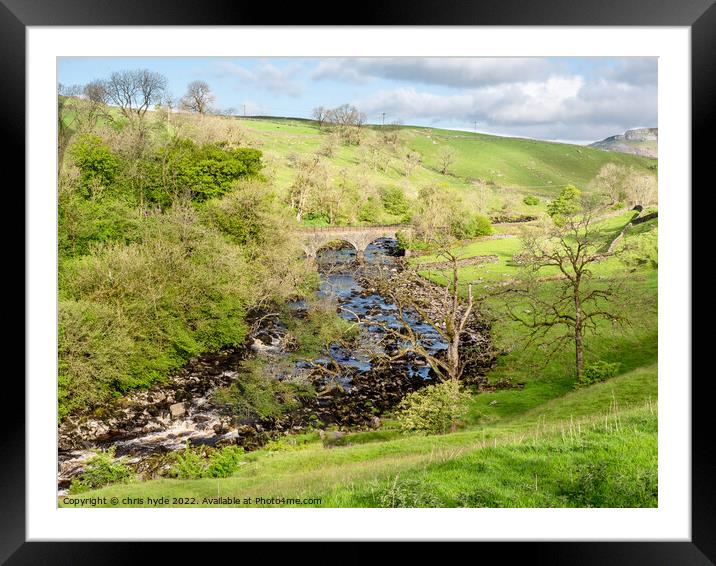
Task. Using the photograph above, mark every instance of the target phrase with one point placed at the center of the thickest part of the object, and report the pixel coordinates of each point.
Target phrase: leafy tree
(370, 210)
(471, 226)
(97, 164)
(202, 172)
(566, 204)
(394, 200)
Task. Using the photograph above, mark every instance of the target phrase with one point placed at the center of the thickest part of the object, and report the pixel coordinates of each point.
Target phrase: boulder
(177, 410)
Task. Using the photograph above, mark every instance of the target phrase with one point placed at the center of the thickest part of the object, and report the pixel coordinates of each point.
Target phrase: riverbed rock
(177, 410)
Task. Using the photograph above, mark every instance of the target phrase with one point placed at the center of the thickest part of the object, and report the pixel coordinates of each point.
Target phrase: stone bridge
(360, 237)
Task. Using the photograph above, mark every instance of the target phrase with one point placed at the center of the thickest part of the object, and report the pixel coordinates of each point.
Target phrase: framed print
(392, 281)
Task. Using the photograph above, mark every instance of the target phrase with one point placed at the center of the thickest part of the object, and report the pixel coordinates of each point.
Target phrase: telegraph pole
(383, 118)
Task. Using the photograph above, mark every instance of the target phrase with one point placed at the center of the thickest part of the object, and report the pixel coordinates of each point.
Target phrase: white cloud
(266, 76)
(560, 107)
(453, 71)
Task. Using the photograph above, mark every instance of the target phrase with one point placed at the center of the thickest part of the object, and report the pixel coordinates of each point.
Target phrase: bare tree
(94, 105)
(310, 178)
(443, 309)
(346, 115)
(482, 195)
(347, 120)
(563, 312)
(198, 97)
(320, 115)
(641, 188)
(412, 160)
(446, 158)
(134, 91)
(65, 119)
(611, 181)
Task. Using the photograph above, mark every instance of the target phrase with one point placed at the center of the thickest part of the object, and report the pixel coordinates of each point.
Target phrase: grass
(531, 461)
(545, 444)
(513, 167)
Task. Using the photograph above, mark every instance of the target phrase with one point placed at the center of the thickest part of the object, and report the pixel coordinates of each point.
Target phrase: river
(150, 423)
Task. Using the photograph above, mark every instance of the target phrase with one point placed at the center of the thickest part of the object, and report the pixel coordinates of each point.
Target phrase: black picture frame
(699, 15)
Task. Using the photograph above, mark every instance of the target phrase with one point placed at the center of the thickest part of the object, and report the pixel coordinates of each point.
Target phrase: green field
(508, 165)
(542, 444)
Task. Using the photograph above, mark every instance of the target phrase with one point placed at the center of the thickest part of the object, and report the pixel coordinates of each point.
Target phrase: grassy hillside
(512, 164)
(593, 447)
(543, 444)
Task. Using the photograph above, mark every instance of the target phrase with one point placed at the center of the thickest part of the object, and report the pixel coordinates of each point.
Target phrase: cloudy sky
(573, 99)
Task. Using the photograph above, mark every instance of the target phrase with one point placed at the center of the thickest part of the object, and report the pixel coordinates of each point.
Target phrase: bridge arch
(360, 237)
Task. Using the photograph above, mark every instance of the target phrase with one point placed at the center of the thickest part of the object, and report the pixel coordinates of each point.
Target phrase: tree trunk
(578, 340)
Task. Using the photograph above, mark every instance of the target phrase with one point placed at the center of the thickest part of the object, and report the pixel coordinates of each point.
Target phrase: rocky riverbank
(146, 424)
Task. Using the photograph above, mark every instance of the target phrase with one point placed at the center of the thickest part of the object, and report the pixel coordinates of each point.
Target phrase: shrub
(641, 250)
(394, 200)
(98, 166)
(202, 462)
(257, 394)
(410, 493)
(599, 371)
(471, 226)
(435, 409)
(531, 200)
(102, 469)
(370, 210)
(205, 171)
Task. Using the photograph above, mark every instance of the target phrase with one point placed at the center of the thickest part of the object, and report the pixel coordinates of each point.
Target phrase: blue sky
(560, 98)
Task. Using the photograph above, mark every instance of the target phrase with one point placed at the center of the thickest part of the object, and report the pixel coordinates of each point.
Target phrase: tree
(394, 200)
(483, 195)
(311, 178)
(347, 120)
(641, 188)
(442, 308)
(65, 117)
(198, 97)
(611, 181)
(320, 115)
(134, 91)
(446, 158)
(563, 312)
(567, 204)
(412, 160)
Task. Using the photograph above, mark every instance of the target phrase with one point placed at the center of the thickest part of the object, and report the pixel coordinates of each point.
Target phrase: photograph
(357, 282)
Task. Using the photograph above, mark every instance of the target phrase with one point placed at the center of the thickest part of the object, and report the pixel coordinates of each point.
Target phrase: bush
(257, 394)
(599, 371)
(205, 171)
(394, 200)
(102, 469)
(202, 462)
(98, 166)
(435, 409)
(471, 226)
(370, 211)
(84, 222)
(402, 493)
(641, 250)
(531, 200)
